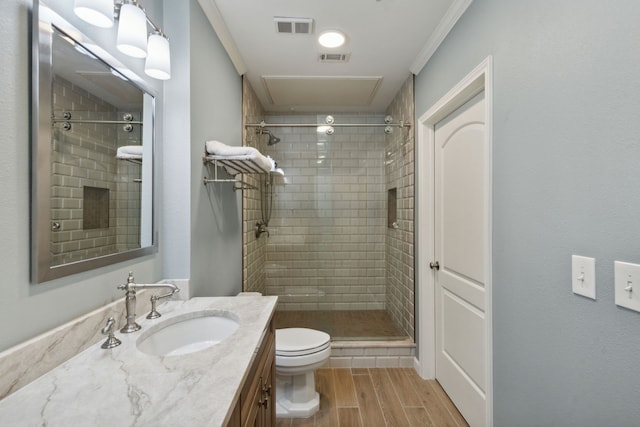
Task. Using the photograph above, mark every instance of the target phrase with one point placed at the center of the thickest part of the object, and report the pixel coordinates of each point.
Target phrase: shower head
(272, 139)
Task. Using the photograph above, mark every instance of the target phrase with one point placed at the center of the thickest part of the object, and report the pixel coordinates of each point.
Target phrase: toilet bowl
(299, 352)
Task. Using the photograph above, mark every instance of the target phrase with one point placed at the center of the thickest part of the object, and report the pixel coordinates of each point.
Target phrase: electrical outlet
(627, 285)
(583, 276)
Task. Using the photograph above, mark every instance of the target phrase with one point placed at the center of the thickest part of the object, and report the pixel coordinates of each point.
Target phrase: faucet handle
(154, 313)
(111, 341)
(130, 280)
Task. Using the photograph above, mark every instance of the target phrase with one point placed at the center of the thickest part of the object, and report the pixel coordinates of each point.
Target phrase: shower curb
(372, 354)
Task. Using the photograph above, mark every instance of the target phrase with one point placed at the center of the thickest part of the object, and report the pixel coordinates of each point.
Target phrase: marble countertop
(125, 387)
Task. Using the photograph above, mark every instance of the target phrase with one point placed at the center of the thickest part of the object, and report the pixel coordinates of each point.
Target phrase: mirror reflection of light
(86, 49)
(46, 16)
(119, 74)
(323, 129)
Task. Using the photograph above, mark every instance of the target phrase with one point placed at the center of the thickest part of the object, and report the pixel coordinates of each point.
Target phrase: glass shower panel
(325, 256)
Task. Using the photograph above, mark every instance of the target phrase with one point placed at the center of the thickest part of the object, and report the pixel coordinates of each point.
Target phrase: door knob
(434, 265)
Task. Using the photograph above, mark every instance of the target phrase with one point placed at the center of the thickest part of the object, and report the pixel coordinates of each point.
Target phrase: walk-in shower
(330, 255)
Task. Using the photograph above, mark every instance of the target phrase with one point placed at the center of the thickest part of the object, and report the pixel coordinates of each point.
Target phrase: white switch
(627, 285)
(583, 276)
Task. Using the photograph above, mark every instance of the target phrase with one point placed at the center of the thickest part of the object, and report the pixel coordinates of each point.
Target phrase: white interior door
(460, 235)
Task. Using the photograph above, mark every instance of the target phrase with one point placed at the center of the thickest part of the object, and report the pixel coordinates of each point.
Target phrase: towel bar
(243, 185)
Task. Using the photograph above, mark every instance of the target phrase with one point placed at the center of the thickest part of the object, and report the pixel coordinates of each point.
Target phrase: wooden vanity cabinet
(256, 407)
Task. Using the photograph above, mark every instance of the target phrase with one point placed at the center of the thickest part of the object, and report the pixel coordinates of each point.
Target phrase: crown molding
(449, 19)
(214, 16)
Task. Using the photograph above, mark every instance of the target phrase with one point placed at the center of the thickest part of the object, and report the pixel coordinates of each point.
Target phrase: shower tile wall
(326, 248)
(399, 164)
(85, 156)
(253, 249)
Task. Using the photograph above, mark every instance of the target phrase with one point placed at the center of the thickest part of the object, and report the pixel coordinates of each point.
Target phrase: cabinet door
(257, 397)
(269, 391)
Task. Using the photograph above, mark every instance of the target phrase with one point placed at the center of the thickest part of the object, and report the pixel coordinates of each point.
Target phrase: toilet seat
(291, 342)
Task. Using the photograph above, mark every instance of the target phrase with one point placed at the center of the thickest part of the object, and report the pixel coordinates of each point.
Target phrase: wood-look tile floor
(342, 324)
(378, 397)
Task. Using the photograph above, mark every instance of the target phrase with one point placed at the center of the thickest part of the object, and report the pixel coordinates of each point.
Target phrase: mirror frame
(41, 131)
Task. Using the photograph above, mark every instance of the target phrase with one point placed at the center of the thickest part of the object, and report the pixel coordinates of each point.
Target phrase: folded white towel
(238, 159)
(217, 148)
(129, 152)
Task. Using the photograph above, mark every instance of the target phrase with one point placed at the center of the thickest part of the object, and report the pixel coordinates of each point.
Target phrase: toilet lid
(300, 341)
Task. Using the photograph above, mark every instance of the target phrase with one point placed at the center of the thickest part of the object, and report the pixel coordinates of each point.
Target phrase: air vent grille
(287, 25)
(334, 57)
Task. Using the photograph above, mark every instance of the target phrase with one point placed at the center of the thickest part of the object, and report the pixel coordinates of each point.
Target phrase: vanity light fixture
(132, 30)
(95, 12)
(332, 38)
(158, 63)
(132, 37)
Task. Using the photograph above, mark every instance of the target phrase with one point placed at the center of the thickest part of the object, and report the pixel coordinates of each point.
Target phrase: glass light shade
(158, 64)
(332, 38)
(95, 12)
(132, 31)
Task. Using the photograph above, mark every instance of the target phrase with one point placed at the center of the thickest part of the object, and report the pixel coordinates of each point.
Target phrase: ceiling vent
(286, 25)
(334, 57)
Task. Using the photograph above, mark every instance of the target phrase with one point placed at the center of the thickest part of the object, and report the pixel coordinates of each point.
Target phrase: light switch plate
(583, 276)
(627, 285)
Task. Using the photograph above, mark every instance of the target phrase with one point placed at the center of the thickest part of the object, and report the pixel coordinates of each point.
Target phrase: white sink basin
(187, 334)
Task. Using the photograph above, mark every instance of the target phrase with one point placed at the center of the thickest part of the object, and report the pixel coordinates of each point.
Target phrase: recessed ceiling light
(332, 38)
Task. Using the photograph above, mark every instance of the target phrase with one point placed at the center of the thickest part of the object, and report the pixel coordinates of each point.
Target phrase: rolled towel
(274, 165)
(129, 152)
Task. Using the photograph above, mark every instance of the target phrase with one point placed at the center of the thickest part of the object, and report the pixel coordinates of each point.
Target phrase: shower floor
(343, 325)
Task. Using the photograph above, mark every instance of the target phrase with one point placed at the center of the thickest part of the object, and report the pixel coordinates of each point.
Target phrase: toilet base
(287, 409)
(296, 396)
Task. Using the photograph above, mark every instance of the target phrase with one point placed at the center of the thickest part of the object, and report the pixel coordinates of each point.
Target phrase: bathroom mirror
(92, 154)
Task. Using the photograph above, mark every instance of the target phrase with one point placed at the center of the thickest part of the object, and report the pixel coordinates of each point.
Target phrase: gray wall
(216, 113)
(203, 233)
(565, 170)
(176, 181)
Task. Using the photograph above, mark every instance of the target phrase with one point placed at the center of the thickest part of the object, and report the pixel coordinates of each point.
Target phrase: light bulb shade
(332, 38)
(158, 63)
(95, 12)
(132, 31)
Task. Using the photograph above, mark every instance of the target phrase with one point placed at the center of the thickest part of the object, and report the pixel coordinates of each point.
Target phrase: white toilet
(299, 352)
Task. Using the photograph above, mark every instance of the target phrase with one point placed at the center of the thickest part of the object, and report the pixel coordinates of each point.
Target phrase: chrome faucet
(130, 301)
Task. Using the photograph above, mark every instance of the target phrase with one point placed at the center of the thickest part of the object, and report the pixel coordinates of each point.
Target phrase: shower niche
(392, 208)
(95, 208)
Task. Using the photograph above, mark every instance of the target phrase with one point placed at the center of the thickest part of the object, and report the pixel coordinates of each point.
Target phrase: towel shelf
(244, 165)
(243, 185)
(238, 165)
